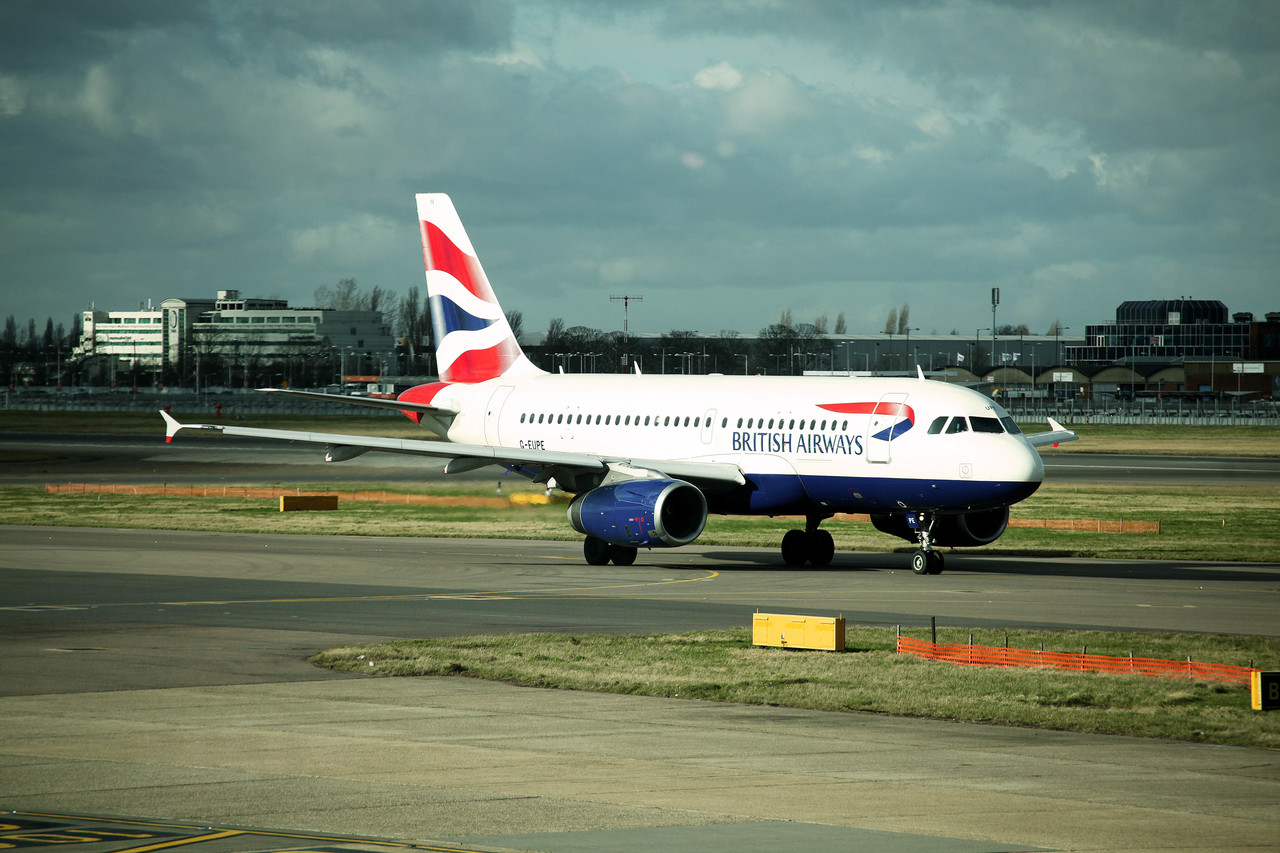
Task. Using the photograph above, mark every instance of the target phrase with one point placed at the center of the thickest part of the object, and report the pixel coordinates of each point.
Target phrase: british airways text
(801, 442)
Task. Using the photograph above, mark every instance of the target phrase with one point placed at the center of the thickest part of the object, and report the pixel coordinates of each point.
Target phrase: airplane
(649, 457)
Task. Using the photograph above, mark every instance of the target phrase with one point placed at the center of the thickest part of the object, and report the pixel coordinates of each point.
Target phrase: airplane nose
(1021, 473)
(1032, 465)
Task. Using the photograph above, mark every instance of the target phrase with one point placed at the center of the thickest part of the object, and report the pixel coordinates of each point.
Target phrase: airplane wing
(1056, 435)
(565, 467)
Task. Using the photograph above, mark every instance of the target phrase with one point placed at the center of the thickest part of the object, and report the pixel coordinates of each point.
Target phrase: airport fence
(971, 655)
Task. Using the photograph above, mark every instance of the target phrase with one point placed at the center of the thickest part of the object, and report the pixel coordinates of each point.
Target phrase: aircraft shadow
(1032, 566)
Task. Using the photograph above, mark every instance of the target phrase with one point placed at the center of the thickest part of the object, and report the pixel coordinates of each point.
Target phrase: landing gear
(599, 552)
(811, 545)
(926, 561)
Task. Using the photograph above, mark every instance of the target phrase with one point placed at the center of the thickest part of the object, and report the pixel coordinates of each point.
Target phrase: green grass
(869, 676)
(1218, 523)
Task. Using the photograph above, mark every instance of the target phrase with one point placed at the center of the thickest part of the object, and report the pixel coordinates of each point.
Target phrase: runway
(163, 675)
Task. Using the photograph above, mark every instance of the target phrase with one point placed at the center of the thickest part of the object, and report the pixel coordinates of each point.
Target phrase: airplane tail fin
(474, 341)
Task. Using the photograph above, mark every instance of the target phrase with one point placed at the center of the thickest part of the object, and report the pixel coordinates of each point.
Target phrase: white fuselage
(842, 444)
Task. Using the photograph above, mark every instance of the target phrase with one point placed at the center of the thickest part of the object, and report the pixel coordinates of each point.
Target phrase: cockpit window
(957, 425)
(986, 425)
(936, 426)
(1009, 426)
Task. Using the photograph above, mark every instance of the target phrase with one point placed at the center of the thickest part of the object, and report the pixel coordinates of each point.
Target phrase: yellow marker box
(1265, 691)
(798, 632)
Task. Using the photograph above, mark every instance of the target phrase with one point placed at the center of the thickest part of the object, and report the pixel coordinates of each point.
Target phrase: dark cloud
(731, 158)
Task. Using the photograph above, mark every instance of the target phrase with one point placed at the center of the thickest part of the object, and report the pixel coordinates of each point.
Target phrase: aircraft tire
(920, 562)
(795, 548)
(936, 562)
(822, 548)
(623, 556)
(596, 551)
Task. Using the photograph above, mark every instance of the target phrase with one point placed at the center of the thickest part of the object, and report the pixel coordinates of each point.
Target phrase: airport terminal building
(231, 338)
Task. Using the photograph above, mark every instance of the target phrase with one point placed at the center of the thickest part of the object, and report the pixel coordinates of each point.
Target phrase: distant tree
(903, 316)
(48, 341)
(841, 329)
(515, 320)
(891, 324)
(785, 319)
(820, 324)
(788, 349)
(1010, 329)
(1055, 328)
(9, 340)
(414, 326)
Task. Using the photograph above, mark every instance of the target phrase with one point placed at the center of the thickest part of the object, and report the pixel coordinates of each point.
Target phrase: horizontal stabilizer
(371, 402)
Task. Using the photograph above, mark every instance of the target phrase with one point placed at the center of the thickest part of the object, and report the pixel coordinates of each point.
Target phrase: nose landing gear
(926, 561)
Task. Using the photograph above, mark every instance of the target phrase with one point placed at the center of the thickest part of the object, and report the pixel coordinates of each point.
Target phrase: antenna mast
(626, 337)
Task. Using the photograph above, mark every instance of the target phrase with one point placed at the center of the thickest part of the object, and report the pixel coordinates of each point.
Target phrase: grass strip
(723, 666)
(1209, 523)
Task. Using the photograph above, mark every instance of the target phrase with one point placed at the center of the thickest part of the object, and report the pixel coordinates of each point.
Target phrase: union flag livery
(474, 342)
(649, 458)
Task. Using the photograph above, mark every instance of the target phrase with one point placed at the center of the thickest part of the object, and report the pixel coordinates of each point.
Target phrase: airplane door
(707, 421)
(882, 427)
(492, 411)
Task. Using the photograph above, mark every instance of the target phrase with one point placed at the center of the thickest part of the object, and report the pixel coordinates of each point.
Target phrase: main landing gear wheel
(927, 562)
(813, 546)
(596, 551)
(599, 552)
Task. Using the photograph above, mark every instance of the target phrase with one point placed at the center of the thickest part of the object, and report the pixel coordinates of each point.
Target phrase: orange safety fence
(969, 655)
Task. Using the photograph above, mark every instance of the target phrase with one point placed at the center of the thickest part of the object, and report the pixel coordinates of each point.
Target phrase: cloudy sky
(727, 160)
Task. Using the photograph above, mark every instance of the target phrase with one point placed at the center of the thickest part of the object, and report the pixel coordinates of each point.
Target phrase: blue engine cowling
(641, 513)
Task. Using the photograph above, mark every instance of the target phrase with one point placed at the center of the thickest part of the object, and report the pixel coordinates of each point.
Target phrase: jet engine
(641, 513)
(951, 531)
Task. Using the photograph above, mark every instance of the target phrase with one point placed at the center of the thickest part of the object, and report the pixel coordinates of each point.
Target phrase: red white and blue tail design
(474, 342)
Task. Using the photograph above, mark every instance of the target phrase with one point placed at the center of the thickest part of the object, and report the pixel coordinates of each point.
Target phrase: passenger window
(936, 426)
(986, 425)
(957, 425)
